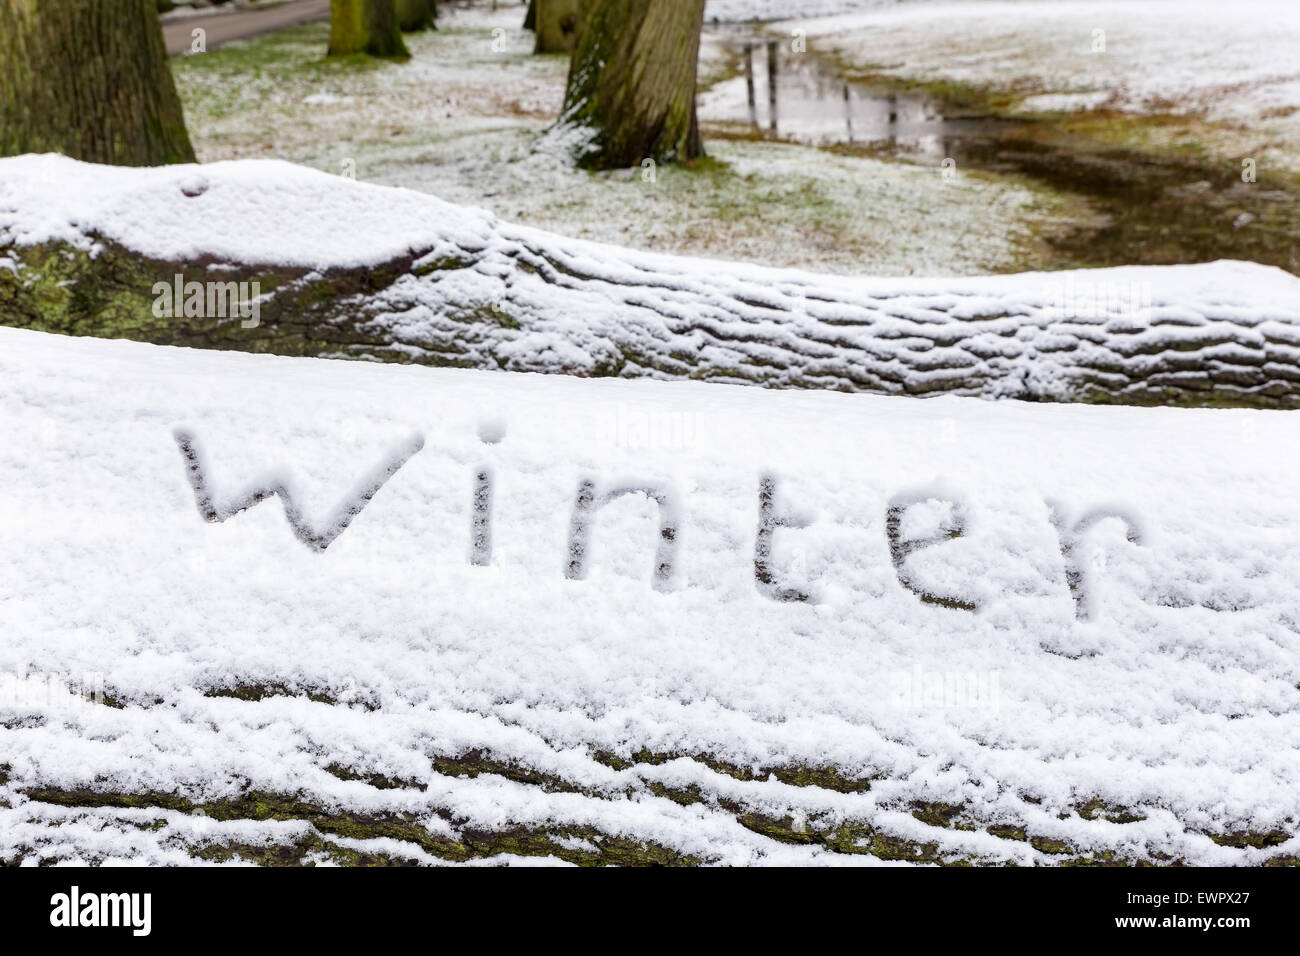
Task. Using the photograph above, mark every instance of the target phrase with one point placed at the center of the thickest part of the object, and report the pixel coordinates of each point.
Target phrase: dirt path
(222, 28)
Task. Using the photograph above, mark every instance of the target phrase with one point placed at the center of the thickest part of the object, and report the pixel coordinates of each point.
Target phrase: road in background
(222, 28)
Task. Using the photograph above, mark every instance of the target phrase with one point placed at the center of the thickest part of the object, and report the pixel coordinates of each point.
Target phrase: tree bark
(365, 26)
(413, 15)
(89, 80)
(530, 18)
(556, 22)
(632, 81)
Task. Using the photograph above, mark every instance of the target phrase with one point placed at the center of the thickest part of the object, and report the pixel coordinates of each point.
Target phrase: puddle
(798, 96)
(1152, 208)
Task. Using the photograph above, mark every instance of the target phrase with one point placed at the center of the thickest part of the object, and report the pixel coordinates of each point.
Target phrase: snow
(1113, 606)
(1171, 690)
(431, 124)
(1233, 78)
(221, 209)
(1179, 56)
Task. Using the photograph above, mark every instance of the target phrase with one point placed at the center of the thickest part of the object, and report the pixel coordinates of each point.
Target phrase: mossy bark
(89, 80)
(365, 26)
(632, 81)
(555, 23)
(590, 846)
(414, 15)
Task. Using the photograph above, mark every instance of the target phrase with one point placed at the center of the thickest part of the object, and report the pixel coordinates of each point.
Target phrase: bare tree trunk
(556, 22)
(365, 26)
(413, 15)
(89, 80)
(632, 81)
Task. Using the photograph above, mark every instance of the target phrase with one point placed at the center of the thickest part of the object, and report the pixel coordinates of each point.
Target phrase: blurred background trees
(415, 15)
(366, 26)
(555, 22)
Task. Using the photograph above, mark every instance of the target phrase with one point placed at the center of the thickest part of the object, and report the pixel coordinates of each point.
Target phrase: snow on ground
(1167, 56)
(1166, 685)
(433, 124)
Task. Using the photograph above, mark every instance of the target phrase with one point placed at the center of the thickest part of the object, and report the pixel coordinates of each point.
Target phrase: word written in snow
(592, 496)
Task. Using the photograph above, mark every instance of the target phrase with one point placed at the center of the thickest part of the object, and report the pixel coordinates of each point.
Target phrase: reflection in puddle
(797, 96)
(1152, 207)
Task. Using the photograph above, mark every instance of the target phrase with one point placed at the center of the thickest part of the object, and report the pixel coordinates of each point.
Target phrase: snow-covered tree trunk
(632, 81)
(392, 275)
(365, 26)
(555, 22)
(89, 80)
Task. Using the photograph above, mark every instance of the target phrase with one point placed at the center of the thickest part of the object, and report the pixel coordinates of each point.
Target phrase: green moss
(475, 762)
(376, 780)
(937, 814)
(599, 848)
(827, 778)
(783, 830)
(1105, 858)
(292, 854)
(59, 288)
(262, 691)
(1008, 832)
(684, 797)
(1048, 845)
(1249, 838)
(1097, 809)
(577, 844)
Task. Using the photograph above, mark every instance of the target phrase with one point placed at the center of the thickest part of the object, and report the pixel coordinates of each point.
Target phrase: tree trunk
(556, 21)
(632, 81)
(89, 80)
(413, 15)
(365, 26)
(530, 18)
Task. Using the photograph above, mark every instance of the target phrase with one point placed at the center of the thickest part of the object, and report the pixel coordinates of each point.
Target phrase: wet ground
(1155, 206)
(801, 97)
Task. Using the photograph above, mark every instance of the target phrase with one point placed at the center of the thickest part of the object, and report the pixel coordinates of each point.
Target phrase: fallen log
(351, 270)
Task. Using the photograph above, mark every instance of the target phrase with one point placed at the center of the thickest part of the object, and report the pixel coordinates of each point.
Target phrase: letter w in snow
(318, 539)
